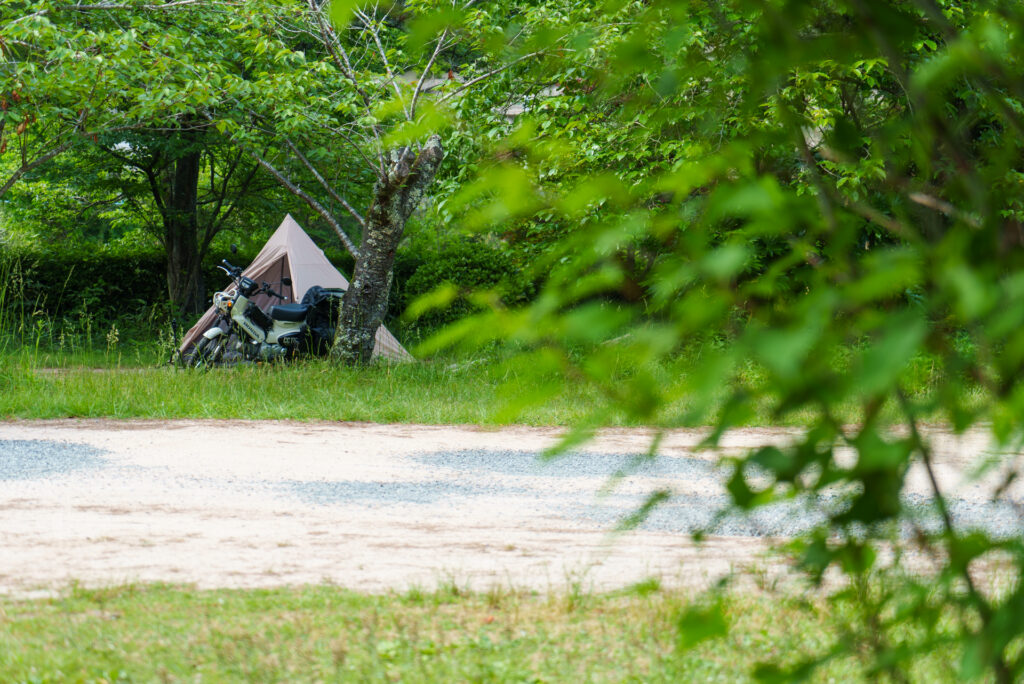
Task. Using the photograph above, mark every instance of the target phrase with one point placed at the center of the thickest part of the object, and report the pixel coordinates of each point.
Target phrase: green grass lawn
(324, 633)
(438, 392)
(134, 381)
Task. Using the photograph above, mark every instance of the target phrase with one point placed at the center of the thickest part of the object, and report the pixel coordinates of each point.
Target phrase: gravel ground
(690, 513)
(470, 474)
(23, 459)
(380, 507)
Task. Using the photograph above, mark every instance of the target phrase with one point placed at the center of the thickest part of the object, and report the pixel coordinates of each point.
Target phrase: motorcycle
(247, 333)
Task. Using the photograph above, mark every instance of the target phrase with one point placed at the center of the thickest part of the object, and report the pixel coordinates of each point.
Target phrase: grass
(437, 393)
(79, 366)
(132, 380)
(324, 633)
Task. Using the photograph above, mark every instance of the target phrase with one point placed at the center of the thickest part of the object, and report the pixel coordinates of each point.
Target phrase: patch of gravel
(570, 464)
(382, 494)
(705, 513)
(35, 459)
(1001, 519)
(688, 514)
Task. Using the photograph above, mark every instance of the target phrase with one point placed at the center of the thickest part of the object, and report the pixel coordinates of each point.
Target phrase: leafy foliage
(787, 182)
(461, 267)
(70, 288)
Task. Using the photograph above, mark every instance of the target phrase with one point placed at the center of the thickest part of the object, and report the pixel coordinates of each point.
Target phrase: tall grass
(439, 392)
(135, 382)
(7, 292)
(31, 333)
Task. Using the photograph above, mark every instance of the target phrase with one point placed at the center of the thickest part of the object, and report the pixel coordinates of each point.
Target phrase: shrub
(78, 288)
(469, 265)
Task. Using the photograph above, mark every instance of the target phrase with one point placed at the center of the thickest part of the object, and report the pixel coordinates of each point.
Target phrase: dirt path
(371, 507)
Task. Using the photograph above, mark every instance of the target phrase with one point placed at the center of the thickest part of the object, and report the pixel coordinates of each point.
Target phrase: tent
(290, 253)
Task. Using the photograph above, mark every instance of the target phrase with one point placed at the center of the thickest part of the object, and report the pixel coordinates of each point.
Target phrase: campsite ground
(369, 507)
(383, 507)
(171, 537)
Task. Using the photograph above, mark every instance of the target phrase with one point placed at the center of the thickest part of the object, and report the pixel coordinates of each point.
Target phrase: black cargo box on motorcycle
(322, 320)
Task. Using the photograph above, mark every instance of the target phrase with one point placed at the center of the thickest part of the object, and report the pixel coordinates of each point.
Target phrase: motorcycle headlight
(222, 301)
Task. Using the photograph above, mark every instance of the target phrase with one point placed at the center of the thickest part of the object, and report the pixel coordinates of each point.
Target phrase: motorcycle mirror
(287, 282)
(234, 248)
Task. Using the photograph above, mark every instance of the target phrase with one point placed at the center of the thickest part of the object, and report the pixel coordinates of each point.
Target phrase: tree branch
(217, 224)
(482, 77)
(327, 186)
(981, 604)
(337, 51)
(305, 197)
(372, 29)
(868, 212)
(423, 76)
(943, 207)
(148, 8)
(28, 166)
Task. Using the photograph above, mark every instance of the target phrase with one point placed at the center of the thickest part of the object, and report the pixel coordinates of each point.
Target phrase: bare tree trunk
(395, 197)
(181, 232)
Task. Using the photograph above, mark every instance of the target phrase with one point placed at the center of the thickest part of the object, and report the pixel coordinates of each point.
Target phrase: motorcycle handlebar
(233, 271)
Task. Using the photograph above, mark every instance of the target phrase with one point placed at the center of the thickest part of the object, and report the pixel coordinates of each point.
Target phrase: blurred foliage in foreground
(785, 181)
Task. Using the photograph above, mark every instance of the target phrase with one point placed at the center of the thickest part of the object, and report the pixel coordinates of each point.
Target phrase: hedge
(130, 285)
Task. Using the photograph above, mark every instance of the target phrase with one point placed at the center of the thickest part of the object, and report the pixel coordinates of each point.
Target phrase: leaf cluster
(829, 190)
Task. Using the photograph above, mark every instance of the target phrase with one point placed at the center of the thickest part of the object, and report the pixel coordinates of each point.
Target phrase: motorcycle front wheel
(207, 353)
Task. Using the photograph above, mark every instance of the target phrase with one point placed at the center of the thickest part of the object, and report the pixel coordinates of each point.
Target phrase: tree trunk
(181, 231)
(395, 197)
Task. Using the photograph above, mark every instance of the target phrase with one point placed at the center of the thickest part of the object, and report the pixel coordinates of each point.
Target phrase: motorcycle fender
(213, 332)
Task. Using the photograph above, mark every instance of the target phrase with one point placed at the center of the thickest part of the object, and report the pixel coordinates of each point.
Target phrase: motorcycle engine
(269, 352)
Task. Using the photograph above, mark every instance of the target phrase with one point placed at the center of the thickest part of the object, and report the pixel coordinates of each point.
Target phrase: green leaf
(739, 490)
(341, 12)
(774, 461)
(973, 298)
(698, 624)
(725, 263)
(881, 366)
(637, 517)
(439, 298)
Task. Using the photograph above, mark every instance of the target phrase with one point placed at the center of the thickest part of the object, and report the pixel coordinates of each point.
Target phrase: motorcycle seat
(293, 313)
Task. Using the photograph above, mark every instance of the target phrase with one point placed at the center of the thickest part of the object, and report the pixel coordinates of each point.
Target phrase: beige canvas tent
(290, 253)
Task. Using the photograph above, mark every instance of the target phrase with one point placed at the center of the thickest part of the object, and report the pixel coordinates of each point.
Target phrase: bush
(469, 265)
(99, 284)
(83, 290)
(78, 289)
